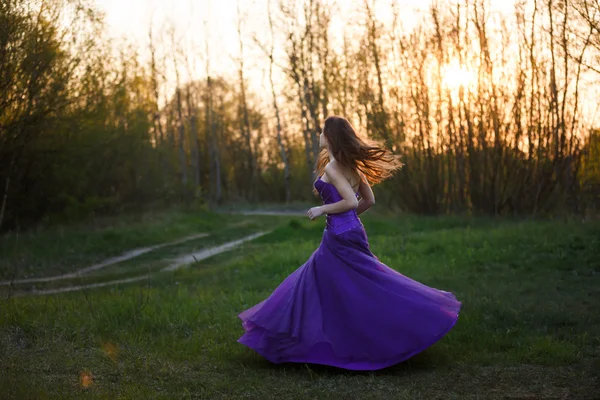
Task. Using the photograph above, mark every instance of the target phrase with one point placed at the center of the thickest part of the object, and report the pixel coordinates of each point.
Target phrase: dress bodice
(340, 222)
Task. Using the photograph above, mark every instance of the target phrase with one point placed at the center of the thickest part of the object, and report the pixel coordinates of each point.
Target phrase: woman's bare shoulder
(333, 166)
(333, 171)
(336, 170)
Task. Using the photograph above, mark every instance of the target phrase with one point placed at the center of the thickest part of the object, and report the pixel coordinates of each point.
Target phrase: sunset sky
(131, 19)
(193, 19)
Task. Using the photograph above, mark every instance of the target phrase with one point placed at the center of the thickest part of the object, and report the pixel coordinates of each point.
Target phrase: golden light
(110, 350)
(455, 76)
(85, 378)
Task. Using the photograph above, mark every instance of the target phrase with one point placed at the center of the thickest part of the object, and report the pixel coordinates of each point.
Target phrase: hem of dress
(363, 365)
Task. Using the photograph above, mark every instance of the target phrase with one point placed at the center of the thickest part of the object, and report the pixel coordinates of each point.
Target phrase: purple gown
(345, 308)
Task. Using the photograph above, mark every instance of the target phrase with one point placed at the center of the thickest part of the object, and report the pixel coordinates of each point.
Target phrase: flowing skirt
(347, 309)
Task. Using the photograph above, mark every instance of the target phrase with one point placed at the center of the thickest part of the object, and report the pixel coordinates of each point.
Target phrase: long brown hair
(367, 156)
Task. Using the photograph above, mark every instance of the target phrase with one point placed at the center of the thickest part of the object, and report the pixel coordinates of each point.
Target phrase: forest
(492, 114)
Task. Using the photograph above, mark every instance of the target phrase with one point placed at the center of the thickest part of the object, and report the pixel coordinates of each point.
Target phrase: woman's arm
(367, 198)
(348, 201)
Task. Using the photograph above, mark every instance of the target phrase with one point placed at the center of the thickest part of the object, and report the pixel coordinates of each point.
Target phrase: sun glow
(455, 76)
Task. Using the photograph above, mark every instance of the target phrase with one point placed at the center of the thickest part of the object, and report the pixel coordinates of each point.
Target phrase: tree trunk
(245, 121)
(284, 158)
(181, 128)
(6, 189)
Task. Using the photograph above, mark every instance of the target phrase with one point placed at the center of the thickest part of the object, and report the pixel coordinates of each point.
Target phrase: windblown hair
(367, 156)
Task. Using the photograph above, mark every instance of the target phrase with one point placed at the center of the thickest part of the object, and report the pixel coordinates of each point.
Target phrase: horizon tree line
(87, 130)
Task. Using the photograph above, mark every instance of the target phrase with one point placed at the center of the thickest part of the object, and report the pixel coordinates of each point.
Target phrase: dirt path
(176, 264)
(80, 287)
(113, 260)
(206, 253)
(288, 213)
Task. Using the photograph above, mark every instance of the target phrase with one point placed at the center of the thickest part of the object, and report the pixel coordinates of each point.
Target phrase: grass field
(529, 327)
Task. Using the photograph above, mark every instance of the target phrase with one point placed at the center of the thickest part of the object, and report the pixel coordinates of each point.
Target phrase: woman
(344, 307)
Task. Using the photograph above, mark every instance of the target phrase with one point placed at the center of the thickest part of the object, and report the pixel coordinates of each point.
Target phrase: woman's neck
(330, 156)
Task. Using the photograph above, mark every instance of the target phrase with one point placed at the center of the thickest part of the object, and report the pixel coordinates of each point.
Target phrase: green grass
(529, 326)
(63, 249)
(151, 262)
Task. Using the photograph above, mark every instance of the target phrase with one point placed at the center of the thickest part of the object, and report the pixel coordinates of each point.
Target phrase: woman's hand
(315, 212)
